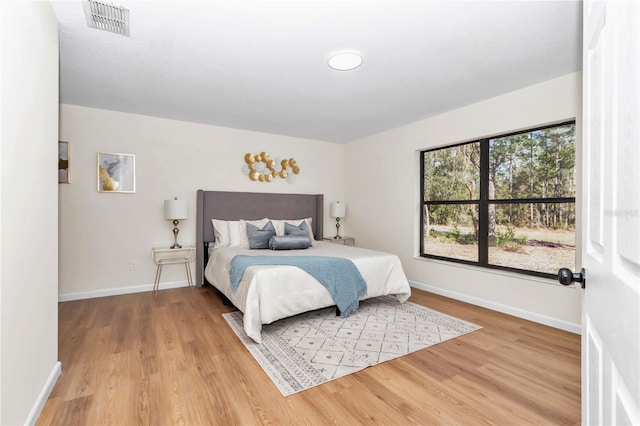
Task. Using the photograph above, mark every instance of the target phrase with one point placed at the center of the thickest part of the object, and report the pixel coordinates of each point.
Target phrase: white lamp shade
(337, 210)
(175, 209)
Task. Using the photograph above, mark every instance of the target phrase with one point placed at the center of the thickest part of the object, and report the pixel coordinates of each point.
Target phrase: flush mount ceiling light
(345, 61)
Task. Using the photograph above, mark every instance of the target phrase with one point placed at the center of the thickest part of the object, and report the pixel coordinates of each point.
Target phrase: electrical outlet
(133, 265)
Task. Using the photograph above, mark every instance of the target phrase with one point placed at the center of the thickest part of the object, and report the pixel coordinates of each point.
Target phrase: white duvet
(271, 292)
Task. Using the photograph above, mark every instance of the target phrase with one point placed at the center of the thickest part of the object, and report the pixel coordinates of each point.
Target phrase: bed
(267, 293)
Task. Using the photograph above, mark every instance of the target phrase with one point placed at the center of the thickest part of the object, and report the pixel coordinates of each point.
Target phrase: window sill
(514, 275)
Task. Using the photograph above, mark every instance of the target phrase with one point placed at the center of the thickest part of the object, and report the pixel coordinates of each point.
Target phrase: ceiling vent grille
(107, 17)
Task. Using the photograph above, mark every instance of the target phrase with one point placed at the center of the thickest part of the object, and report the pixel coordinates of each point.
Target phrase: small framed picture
(64, 171)
(116, 172)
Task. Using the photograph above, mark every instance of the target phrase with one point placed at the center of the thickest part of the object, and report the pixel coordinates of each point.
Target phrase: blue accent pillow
(259, 238)
(289, 242)
(299, 231)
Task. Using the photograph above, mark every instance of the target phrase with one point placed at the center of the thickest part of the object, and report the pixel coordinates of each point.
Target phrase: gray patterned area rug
(312, 348)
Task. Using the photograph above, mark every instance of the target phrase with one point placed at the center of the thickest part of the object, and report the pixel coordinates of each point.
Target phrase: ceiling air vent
(107, 17)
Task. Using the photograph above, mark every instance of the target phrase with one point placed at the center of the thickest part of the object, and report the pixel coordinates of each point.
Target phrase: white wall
(101, 233)
(29, 206)
(383, 201)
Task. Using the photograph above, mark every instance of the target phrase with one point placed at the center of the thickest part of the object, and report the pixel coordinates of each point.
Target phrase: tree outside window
(506, 202)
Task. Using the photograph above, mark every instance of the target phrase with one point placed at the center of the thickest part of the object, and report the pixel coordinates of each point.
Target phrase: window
(506, 202)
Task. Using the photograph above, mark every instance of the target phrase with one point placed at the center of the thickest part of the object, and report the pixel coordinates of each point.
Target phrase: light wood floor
(173, 360)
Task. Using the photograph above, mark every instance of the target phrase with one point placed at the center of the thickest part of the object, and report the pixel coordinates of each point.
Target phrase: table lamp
(337, 210)
(175, 210)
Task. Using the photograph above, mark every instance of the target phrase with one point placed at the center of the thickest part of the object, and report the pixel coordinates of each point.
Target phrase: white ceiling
(262, 65)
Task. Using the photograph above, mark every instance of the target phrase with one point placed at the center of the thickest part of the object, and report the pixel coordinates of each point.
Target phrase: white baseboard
(506, 309)
(44, 394)
(118, 291)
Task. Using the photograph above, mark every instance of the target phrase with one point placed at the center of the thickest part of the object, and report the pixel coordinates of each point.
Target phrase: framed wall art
(64, 171)
(116, 172)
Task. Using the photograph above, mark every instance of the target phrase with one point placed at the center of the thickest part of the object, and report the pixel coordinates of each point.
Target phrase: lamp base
(337, 237)
(175, 235)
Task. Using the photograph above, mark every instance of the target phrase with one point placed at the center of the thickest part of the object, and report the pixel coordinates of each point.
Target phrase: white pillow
(221, 232)
(235, 239)
(244, 238)
(279, 225)
(224, 230)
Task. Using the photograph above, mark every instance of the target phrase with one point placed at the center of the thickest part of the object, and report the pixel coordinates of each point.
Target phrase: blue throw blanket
(339, 276)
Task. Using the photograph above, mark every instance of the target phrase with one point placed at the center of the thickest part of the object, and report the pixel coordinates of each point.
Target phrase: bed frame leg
(225, 300)
(338, 311)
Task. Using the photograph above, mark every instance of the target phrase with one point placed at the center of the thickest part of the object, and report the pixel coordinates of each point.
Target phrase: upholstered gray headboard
(251, 205)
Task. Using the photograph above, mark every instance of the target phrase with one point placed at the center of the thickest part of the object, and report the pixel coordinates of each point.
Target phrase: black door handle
(566, 277)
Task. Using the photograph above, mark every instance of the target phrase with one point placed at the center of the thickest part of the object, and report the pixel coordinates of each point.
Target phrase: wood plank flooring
(133, 359)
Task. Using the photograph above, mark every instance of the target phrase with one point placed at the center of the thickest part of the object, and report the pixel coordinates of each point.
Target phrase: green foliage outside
(531, 165)
(453, 236)
(506, 238)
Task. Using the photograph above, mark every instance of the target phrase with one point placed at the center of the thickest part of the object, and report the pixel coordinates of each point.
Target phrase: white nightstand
(345, 241)
(165, 256)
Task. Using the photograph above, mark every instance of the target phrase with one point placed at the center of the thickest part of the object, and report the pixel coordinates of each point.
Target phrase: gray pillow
(259, 238)
(289, 242)
(299, 231)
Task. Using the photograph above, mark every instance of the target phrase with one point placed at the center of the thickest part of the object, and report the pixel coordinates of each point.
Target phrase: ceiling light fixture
(345, 61)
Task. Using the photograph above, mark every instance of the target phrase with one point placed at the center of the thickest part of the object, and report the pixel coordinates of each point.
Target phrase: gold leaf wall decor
(261, 168)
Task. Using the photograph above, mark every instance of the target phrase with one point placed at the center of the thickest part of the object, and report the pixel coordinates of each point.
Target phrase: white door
(611, 214)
